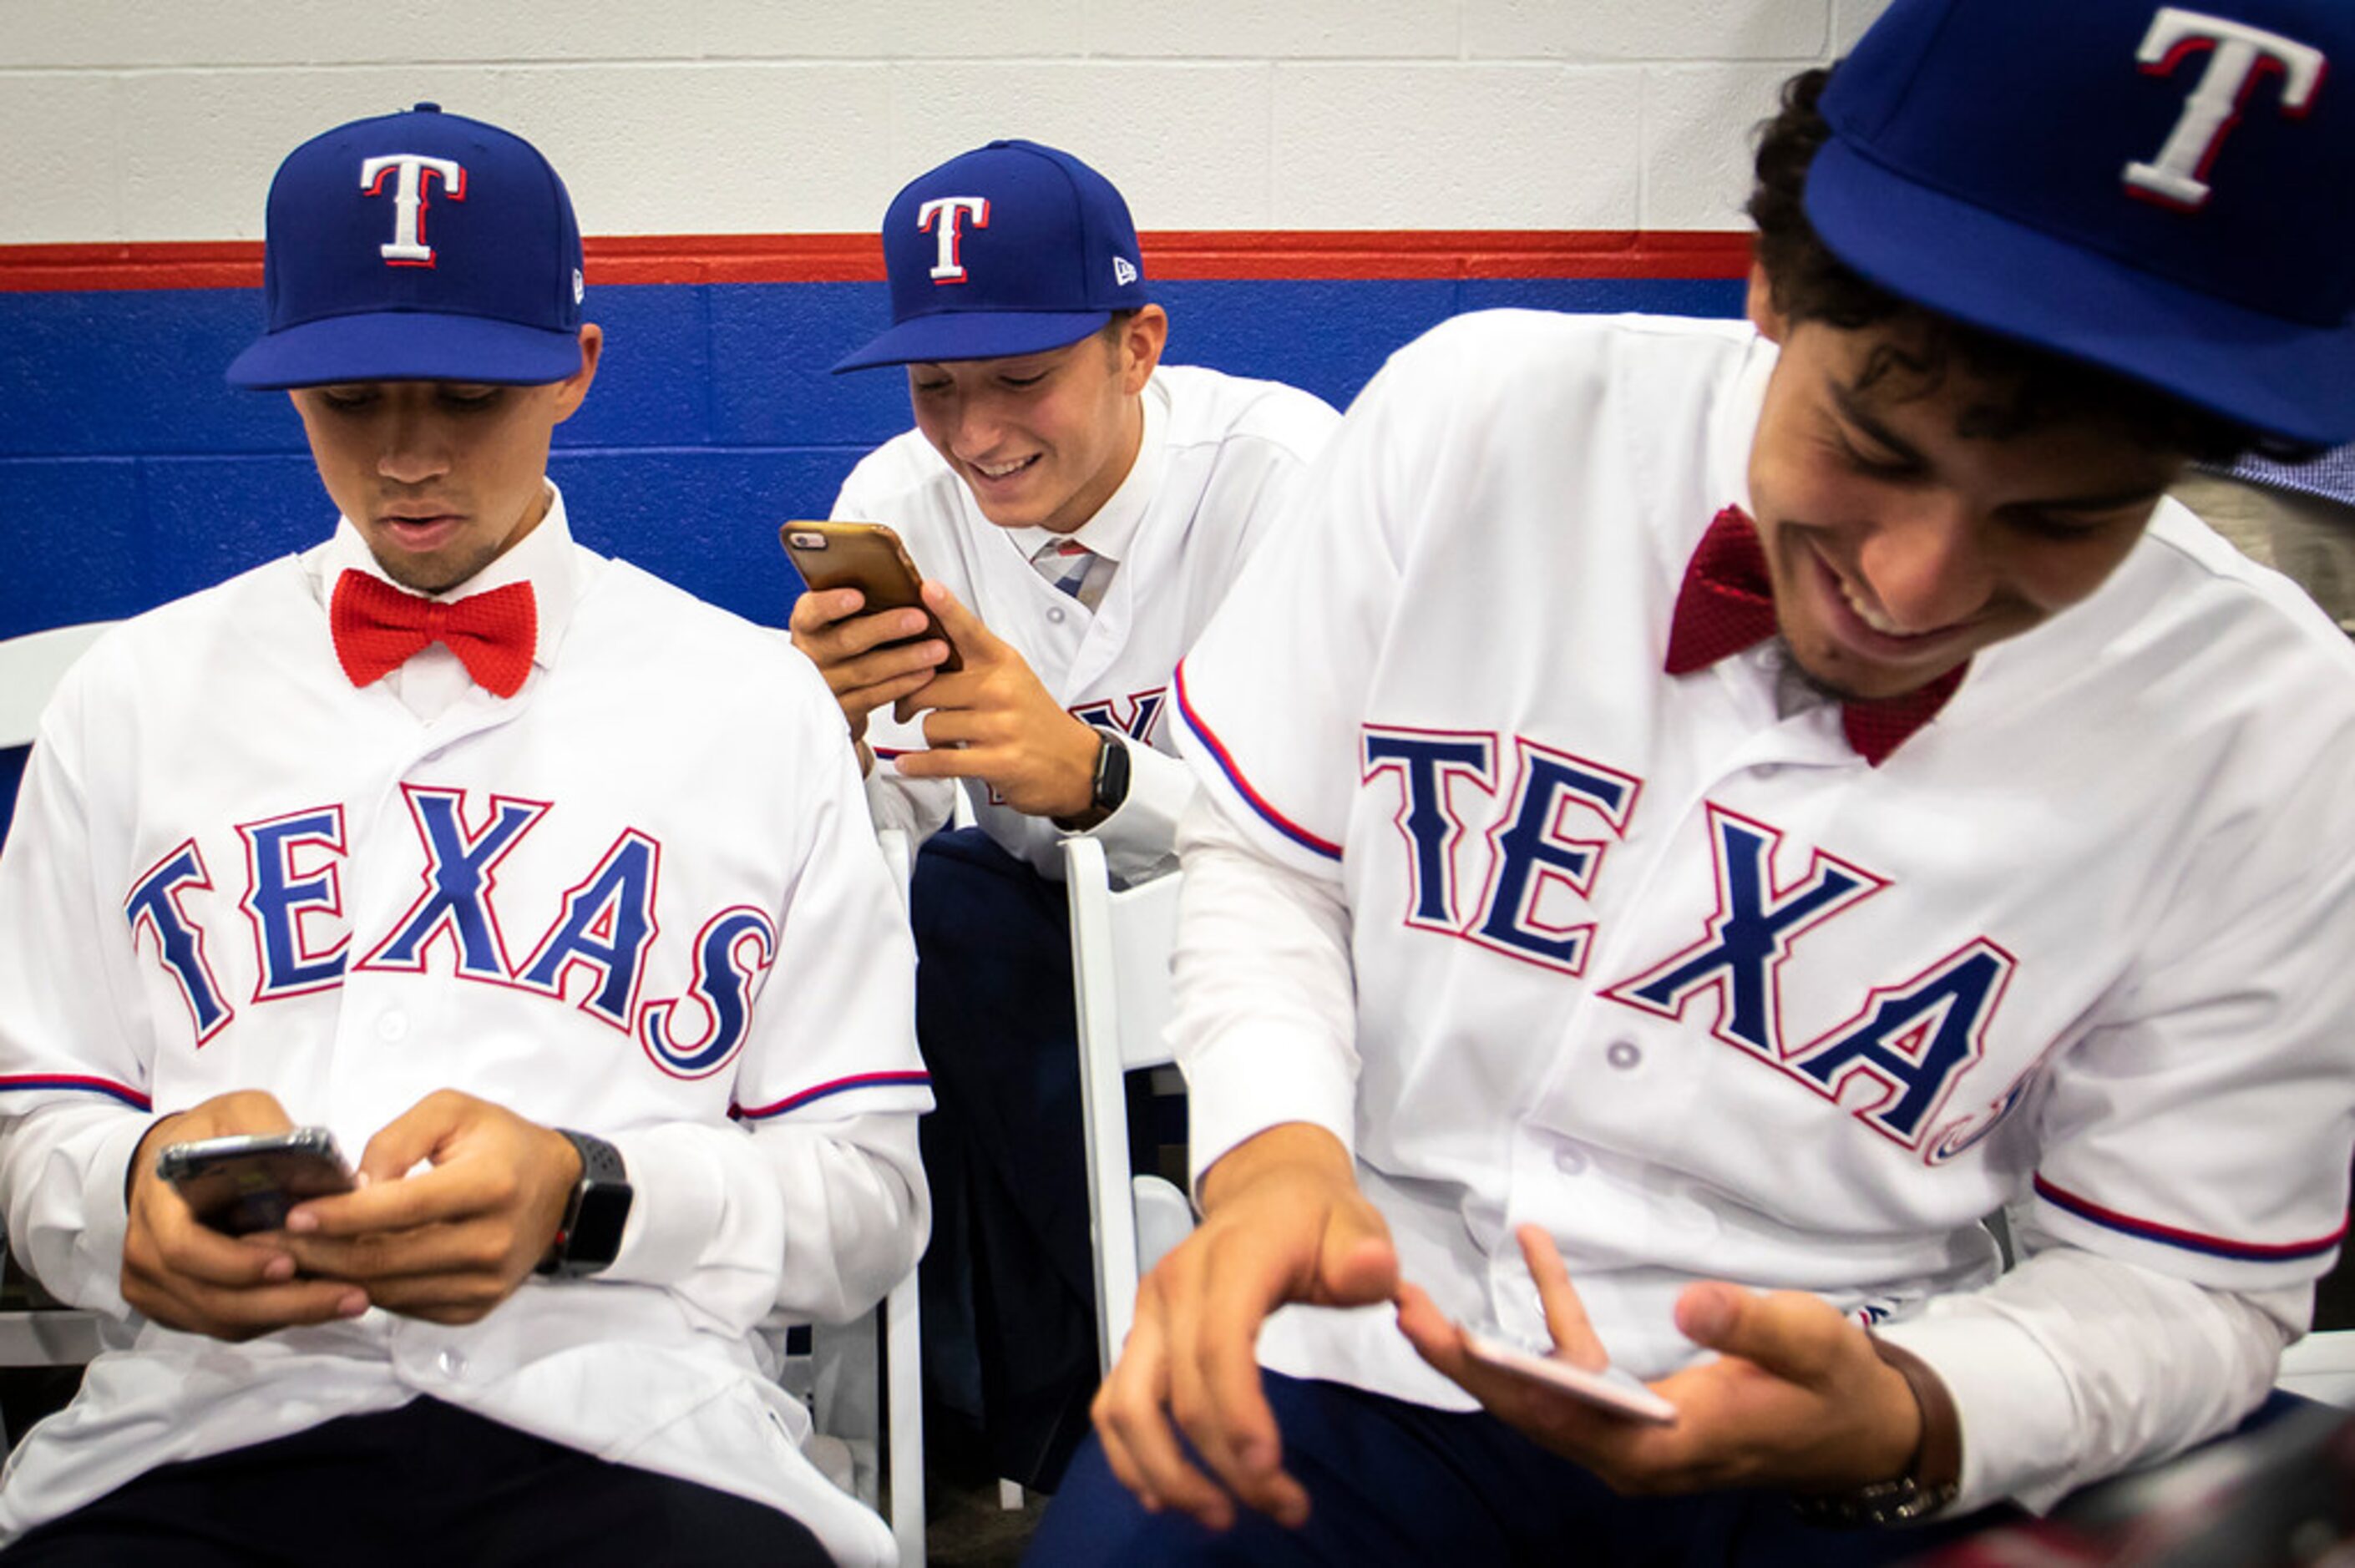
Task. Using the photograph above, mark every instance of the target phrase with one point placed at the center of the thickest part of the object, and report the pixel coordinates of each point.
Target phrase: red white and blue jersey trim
(909, 1079)
(2190, 1241)
(76, 1084)
(1217, 751)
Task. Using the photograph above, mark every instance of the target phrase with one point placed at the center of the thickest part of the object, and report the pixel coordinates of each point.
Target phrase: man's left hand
(449, 1243)
(994, 721)
(1796, 1398)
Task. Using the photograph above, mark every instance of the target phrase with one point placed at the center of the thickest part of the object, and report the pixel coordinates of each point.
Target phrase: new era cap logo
(947, 216)
(2241, 56)
(1124, 271)
(407, 248)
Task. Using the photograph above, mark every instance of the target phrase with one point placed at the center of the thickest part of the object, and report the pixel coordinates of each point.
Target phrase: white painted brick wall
(161, 119)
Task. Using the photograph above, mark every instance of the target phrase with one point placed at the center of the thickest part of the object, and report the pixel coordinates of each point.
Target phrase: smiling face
(1043, 440)
(440, 477)
(1898, 545)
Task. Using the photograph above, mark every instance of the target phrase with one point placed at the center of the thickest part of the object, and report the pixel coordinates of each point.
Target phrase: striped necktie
(1073, 567)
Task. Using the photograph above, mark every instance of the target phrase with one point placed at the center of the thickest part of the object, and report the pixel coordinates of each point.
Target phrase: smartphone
(869, 558)
(1609, 1389)
(247, 1183)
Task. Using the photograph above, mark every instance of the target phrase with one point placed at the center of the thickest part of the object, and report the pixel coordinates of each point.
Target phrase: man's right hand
(187, 1275)
(846, 647)
(1282, 1221)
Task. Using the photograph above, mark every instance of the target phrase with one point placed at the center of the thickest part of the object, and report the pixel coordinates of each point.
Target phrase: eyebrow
(1853, 411)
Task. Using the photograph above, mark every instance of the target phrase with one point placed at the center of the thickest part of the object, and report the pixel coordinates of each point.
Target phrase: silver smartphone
(247, 1181)
(1610, 1389)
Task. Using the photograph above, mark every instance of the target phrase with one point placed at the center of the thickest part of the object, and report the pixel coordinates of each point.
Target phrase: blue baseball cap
(417, 247)
(1010, 249)
(2160, 191)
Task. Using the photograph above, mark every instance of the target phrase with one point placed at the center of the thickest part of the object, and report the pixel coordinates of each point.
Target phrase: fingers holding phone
(862, 620)
(465, 1198)
(188, 1274)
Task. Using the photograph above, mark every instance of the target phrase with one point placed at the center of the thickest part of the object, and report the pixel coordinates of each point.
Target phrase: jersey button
(1623, 1054)
(1055, 613)
(452, 1364)
(1569, 1161)
(392, 1027)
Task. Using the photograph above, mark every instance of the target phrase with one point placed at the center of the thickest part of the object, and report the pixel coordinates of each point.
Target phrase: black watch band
(590, 1236)
(1110, 788)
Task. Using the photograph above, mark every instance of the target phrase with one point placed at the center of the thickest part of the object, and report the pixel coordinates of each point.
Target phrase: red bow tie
(1727, 604)
(377, 628)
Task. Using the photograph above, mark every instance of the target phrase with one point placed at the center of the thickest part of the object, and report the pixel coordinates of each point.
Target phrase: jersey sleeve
(74, 1072)
(1270, 700)
(2202, 1127)
(1263, 468)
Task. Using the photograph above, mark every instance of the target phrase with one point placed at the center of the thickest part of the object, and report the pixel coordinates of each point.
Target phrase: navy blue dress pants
(1394, 1483)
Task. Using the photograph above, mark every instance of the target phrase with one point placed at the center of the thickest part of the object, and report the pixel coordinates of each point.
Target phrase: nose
(415, 446)
(1928, 563)
(976, 427)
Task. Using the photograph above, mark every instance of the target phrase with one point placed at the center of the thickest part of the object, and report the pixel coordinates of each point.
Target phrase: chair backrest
(29, 668)
(1120, 976)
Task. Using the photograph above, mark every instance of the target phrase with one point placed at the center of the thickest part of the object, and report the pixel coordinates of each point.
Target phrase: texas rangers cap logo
(409, 172)
(947, 215)
(2239, 57)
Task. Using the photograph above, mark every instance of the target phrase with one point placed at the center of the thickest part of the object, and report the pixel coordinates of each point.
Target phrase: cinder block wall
(146, 121)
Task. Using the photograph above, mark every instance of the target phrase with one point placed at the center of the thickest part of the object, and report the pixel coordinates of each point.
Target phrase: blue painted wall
(130, 473)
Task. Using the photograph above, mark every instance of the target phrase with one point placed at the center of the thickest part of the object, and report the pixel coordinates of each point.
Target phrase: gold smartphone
(869, 558)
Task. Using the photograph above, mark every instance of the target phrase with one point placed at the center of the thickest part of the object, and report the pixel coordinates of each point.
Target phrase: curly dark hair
(2026, 387)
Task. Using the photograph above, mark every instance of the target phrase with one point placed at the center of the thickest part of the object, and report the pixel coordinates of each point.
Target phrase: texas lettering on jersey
(1894, 1062)
(598, 935)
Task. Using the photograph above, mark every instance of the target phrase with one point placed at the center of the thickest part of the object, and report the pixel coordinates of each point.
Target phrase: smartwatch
(590, 1237)
(1111, 788)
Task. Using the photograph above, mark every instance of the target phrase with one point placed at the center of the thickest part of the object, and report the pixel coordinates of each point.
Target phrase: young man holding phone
(1863, 804)
(1079, 510)
(416, 838)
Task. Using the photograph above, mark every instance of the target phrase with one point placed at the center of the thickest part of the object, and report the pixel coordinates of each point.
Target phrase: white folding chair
(1120, 975)
(29, 668)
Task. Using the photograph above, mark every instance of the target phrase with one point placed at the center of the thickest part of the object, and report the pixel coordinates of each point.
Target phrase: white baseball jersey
(1220, 457)
(1663, 965)
(641, 899)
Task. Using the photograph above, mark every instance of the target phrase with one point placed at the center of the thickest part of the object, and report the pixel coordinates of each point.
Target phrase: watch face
(1112, 775)
(596, 1235)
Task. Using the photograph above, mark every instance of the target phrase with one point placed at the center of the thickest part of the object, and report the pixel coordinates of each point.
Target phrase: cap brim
(407, 345)
(975, 335)
(2286, 378)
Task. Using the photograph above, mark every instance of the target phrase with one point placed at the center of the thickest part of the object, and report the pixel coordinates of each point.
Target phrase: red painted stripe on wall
(1355, 255)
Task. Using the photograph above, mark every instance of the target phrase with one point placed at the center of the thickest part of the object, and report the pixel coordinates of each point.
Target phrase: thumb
(1356, 1264)
(417, 1133)
(1788, 1333)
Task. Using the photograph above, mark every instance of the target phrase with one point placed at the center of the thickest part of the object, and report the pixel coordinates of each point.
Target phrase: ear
(573, 390)
(1759, 306)
(1140, 348)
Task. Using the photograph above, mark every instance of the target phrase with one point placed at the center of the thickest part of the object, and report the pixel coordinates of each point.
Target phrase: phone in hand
(246, 1183)
(1610, 1389)
(869, 558)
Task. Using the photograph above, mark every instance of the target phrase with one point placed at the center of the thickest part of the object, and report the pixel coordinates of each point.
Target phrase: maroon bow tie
(1727, 604)
(377, 628)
